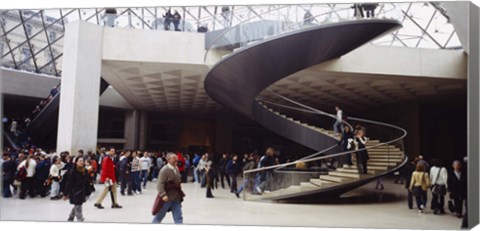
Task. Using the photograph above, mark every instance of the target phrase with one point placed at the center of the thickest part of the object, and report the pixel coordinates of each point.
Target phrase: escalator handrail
(46, 106)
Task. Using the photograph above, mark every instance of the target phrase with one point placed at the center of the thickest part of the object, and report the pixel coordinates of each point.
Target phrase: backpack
(21, 174)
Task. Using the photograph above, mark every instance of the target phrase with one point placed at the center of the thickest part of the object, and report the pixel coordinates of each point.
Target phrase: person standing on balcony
(307, 18)
(110, 14)
(338, 121)
(176, 20)
(358, 11)
(167, 19)
(370, 9)
(226, 16)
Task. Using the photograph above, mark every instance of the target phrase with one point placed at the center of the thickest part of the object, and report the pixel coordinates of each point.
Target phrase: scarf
(81, 169)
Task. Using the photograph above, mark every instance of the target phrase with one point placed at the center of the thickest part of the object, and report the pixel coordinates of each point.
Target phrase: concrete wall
(153, 46)
(404, 61)
(27, 84)
(33, 85)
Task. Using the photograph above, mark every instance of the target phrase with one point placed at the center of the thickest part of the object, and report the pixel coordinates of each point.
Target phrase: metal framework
(425, 25)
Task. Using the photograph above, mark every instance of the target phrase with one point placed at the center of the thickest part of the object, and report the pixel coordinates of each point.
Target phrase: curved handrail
(335, 154)
(291, 27)
(287, 29)
(236, 26)
(310, 108)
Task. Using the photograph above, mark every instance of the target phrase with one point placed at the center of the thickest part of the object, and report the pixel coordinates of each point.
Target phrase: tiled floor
(365, 207)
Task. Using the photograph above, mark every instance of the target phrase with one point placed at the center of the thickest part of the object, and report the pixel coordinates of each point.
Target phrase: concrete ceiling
(324, 90)
(179, 87)
(160, 86)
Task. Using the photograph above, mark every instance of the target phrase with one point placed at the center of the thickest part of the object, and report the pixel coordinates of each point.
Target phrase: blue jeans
(244, 185)
(6, 189)
(195, 175)
(176, 207)
(335, 126)
(144, 177)
(136, 181)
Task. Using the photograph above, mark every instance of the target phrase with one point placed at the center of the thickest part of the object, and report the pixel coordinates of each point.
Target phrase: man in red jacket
(181, 167)
(107, 177)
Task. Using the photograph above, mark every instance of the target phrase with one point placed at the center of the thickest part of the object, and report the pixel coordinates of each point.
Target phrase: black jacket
(407, 171)
(222, 165)
(457, 187)
(8, 170)
(233, 168)
(42, 170)
(77, 188)
(344, 140)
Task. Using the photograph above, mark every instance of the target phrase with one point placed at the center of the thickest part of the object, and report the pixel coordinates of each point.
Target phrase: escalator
(43, 127)
(238, 79)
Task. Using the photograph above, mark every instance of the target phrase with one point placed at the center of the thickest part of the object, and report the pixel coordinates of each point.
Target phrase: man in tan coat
(172, 197)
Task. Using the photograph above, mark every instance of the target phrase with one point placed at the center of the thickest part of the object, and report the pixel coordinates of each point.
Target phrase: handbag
(439, 189)
(157, 204)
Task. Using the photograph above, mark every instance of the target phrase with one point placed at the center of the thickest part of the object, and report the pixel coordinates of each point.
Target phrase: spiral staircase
(238, 79)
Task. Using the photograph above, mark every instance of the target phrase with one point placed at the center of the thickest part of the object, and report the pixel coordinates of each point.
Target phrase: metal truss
(425, 25)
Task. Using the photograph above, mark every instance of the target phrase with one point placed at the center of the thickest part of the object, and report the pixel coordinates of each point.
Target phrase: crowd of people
(36, 173)
(421, 176)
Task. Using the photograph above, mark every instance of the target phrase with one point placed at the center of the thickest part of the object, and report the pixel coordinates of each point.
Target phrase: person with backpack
(439, 178)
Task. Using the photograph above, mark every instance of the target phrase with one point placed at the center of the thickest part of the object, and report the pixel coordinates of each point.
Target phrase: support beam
(131, 129)
(473, 124)
(80, 95)
(143, 126)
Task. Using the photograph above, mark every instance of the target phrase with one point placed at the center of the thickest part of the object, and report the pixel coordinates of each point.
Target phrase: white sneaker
(137, 192)
(422, 207)
(259, 190)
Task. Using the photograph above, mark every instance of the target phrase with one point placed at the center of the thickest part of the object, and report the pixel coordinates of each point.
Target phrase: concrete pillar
(223, 133)
(473, 124)
(142, 133)
(80, 87)
(1, 111)
(131, 129)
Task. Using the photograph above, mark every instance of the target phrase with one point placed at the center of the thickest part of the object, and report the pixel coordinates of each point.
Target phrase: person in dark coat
(8, 173)
(362, 156)
(346, 135)
(210, 174)
(457, 187)
(407, 171)
(77, 189)
(222, 164)
(42, 171)
(233, 168)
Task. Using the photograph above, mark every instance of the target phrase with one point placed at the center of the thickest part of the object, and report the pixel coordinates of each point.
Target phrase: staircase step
(385, 149)
(369, 167)
(384, 152)
(308, 186)
(354, 170)
(385, 159)
(332, 178)
(373, 155)
(317, 182)
(344, 174)
(370, 163)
